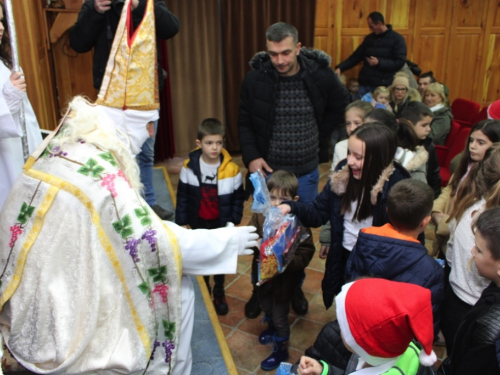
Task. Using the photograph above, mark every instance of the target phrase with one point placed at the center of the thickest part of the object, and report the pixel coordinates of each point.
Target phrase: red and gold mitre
(131, 77)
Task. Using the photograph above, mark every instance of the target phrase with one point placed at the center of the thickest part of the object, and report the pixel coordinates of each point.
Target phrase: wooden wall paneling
(355, 12)
(490, 68)
(495, 10)
(469, 13)
(491, 83)
(457, 39)
(432, 20)
(465, 54)
(461, 70)
(73, 71)
(35, 61)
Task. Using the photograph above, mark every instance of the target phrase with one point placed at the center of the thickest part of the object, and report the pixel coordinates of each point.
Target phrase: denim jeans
(365, 89)
(146, 160)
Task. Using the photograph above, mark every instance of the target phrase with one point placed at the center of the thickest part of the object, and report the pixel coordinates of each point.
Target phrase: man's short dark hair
(285, 182)
(416, 111)
(210, 126)
(279, 31)
(429, 74)
(408, 203)
(377, 17)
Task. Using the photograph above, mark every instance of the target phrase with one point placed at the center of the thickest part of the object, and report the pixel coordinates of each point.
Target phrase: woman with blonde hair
(437, 101)
(401, 93)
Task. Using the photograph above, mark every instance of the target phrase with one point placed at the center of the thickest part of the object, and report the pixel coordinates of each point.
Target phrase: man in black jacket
(290, 103)
(383, 53)
(96, 28)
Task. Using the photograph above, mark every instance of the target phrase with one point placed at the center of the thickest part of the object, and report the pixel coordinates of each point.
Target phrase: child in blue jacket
(393, 251)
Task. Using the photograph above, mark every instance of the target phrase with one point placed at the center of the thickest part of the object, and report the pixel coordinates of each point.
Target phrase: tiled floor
(242, 333)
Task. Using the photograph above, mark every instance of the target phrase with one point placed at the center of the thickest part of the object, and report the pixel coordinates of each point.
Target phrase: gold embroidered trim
(30, 240)
(105, 242)
(176, 249)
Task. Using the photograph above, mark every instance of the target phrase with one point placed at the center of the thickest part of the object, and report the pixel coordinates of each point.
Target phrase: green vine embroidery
(169, 329)
(158, 274)
(108, 156)
(91, 167)
(123, 226)
(26, 212)
(143, 214)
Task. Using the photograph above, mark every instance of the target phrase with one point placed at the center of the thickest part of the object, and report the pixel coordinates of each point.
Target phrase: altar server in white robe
(12, 96)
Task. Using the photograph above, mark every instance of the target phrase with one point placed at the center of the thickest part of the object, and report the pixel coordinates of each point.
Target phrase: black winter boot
(221, 307)
(299, 302)
(252, 307)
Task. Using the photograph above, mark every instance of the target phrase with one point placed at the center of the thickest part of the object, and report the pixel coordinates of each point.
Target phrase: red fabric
(164, 143)
(464, 111)
(209, 203)
(493, 110)
(482, 115)
(384, 316)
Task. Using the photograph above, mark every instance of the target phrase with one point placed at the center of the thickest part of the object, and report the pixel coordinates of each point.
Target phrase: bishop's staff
(9, 15)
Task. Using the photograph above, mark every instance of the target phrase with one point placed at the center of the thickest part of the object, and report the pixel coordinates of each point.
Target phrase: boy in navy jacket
(393, 252)
(210, 192)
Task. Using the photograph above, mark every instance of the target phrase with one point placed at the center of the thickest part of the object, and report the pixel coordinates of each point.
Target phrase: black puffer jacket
(388, 47)
(97, 30)
(257, 103)
(477, 342)
(329, 347)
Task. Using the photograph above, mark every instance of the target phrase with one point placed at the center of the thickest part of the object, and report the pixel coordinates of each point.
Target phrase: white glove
(248, 239)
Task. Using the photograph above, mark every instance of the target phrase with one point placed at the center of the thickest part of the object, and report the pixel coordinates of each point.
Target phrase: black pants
(218, 279)
(277, 310)
(453, 310)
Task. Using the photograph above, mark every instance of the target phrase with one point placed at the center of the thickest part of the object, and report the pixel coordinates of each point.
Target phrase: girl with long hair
(479, 191)
(481, 137)
(12, 99)
(353, 199)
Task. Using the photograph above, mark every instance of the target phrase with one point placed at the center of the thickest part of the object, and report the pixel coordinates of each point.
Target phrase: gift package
(281, 234)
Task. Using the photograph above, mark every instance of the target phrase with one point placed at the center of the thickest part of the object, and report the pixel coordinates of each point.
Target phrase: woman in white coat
(12, 98)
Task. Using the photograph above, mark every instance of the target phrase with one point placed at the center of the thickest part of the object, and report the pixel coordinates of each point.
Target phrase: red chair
(458, 145)
(465, 111)
(482, 115)
(442, 151)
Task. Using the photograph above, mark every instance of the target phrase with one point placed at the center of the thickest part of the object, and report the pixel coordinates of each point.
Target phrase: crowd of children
(392, 298)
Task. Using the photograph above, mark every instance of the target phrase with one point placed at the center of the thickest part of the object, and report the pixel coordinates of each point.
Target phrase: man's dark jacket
(388, 47)
(97, 30)
(258, 102)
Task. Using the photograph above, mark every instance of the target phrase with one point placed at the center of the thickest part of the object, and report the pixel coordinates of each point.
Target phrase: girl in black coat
(354, 198)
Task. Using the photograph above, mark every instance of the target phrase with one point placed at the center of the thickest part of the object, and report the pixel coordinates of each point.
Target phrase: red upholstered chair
(456, 147)
(464, 111)
(442, 151)
(482, 115)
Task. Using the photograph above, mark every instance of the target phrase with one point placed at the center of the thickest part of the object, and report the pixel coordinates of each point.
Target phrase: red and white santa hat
(494, 110)
(379, 318)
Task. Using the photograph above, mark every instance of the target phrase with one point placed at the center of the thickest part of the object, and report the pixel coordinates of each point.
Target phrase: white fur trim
(346, 330)
(427, 359)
